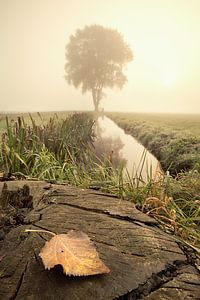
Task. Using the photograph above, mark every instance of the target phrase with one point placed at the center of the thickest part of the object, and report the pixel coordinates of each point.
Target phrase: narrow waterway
(123, 149)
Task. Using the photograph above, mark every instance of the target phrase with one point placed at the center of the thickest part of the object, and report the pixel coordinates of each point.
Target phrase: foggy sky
(163, 34)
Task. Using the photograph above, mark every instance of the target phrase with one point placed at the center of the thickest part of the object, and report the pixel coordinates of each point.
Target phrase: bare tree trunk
(96, 95)
(96, 107)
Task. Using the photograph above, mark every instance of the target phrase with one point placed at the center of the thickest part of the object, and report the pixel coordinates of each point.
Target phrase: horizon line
(109, 111)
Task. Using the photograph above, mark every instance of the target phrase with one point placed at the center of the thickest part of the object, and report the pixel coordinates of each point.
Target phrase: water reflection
(122, 149)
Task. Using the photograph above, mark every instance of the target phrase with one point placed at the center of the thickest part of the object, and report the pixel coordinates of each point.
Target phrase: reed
(68, 140)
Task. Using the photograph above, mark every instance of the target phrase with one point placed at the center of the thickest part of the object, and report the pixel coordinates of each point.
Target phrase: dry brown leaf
(75, 252)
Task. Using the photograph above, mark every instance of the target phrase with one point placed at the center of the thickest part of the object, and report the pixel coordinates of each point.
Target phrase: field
(59, 148)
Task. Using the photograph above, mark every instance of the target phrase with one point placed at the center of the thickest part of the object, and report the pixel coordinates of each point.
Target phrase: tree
(96, 56)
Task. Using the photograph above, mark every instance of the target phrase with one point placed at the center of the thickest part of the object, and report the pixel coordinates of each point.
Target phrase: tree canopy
(95, 57)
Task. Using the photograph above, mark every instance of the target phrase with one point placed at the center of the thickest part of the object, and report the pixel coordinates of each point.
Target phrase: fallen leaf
(75, 252)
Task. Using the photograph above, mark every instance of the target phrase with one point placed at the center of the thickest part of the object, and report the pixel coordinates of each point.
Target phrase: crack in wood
(20, 282)
(189, 252)
(191, 283)
(155, 282)
(56, 193)
(179, 288)
(163, 249)
(104, 194)
(118, 250)
(100, 211)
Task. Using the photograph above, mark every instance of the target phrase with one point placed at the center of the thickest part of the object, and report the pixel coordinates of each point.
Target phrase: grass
(61, 149)
(37, 149)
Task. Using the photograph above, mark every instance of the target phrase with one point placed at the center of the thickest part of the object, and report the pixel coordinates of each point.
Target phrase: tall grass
(62, 151)
(24, 146)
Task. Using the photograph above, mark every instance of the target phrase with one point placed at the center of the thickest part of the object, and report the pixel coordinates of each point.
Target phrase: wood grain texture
(145, 262)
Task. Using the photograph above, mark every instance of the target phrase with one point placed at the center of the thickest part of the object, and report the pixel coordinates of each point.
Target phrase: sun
(169, 80)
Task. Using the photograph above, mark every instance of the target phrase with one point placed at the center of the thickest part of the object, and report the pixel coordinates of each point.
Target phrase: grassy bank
(173, 139)
(61, 149)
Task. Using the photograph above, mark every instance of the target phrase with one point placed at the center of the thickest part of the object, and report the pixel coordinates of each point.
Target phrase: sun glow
(169, 80)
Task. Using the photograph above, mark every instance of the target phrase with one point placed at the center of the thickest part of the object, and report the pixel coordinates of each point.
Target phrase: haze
(163, 34)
